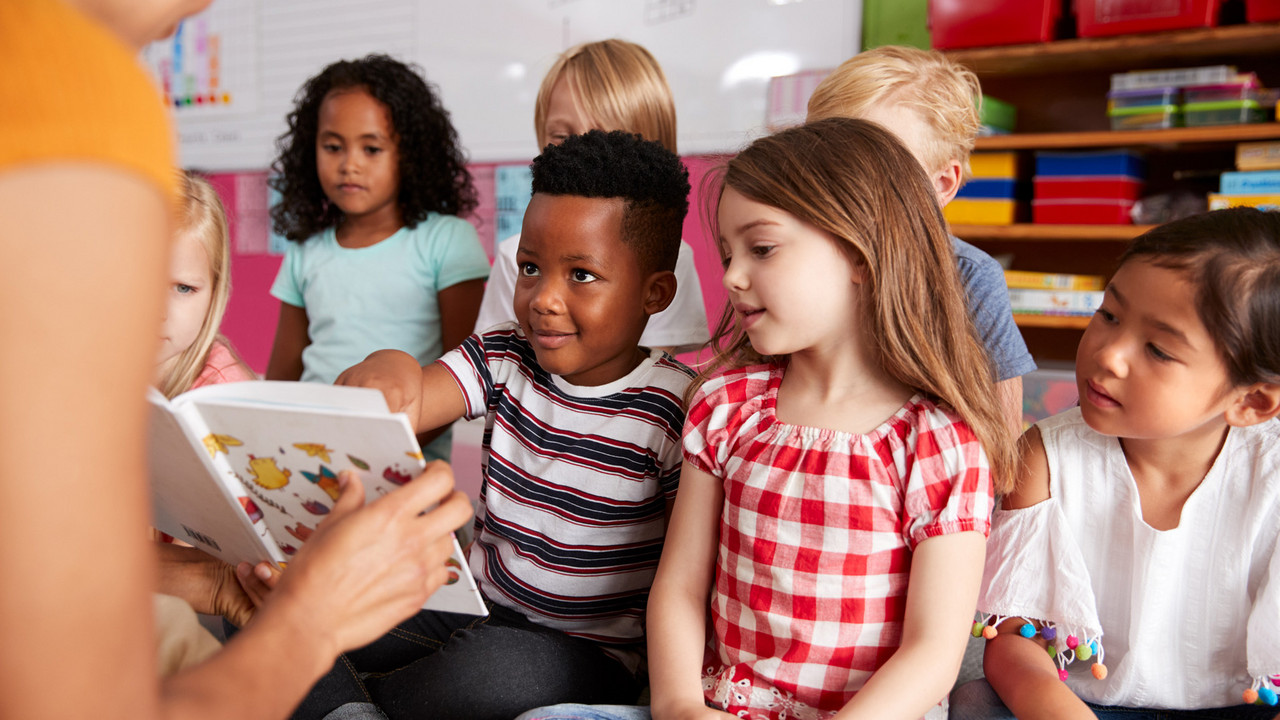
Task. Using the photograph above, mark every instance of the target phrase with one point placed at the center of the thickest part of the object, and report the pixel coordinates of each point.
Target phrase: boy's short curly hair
(433, 165)
(650, 179)
(947, 97)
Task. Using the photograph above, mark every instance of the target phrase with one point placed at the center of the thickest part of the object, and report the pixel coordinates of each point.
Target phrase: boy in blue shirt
(930, 103)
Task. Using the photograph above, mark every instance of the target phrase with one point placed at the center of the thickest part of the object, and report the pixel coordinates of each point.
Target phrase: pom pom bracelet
(1263, 692)
(1063, 650)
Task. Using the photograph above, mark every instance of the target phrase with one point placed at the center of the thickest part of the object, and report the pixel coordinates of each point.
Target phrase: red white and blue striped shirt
(576, 479)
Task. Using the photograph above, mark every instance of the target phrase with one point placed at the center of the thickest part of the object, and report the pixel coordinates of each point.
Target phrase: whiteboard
(487, 57)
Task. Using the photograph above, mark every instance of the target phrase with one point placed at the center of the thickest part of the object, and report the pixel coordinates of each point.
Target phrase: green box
(998, 114)
(895, 22)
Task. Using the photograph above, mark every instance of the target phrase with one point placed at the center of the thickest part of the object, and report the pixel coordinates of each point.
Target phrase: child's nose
(1113, 357)
(548, 298)
(734, 278)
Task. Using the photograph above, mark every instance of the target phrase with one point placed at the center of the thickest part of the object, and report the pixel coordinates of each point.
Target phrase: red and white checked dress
(816, 538)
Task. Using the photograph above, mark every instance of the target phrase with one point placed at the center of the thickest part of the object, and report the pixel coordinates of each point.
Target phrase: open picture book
(246, 471)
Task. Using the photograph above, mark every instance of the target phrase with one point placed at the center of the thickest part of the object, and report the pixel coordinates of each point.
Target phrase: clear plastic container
(1231, 112)
(1246, 89)
(1122, 99)
(1146, 117)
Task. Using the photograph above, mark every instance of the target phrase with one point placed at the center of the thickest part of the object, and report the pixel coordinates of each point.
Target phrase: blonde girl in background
(607, 85)
(192, 351)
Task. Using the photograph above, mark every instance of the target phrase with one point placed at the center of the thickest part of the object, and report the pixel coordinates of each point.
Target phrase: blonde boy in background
(607, 85)
(930, 103)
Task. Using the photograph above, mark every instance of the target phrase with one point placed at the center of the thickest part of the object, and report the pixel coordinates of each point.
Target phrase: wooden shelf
(1069, 322)
(1049, 233)
(1177, 48)
(1225, 134)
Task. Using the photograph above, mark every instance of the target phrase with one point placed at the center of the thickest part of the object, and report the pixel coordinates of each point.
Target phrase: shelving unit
(1210, 135)
(1069, 322)
(1060, 91)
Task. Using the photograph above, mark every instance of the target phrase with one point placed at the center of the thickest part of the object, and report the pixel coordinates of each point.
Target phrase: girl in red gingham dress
(840, 451)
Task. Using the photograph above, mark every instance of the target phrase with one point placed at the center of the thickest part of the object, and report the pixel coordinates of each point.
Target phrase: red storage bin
(978, 23)
(1262, 10)
(1096, 18)
(1079, 188)
(1082, 212)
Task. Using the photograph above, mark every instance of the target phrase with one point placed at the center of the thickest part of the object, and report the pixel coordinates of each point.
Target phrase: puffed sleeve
(948, 483)
(704, 427)
(1036, 571)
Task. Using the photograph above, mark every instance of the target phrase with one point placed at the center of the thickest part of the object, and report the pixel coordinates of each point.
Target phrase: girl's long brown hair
(856, 181)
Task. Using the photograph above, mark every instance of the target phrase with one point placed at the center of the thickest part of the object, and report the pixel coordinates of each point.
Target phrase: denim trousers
(977, 701)
(442, 666)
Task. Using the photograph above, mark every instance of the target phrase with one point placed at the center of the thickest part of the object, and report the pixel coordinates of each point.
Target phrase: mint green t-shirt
(359, 300)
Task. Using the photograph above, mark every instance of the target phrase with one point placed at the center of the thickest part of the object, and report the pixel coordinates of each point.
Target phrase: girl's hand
(257, 581)
(207, 583)
(397, 374)
(368, 567)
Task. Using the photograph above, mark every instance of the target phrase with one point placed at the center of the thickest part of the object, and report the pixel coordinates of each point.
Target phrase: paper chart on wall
(208, 67)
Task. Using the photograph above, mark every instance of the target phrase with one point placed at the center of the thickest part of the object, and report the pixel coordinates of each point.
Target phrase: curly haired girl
(373, 182)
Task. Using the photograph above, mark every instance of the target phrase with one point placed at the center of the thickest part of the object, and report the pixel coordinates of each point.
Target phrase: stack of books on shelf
(1257, 181)
(990, 198)
(1211, 95)
(1087, 188)
(1036, 293)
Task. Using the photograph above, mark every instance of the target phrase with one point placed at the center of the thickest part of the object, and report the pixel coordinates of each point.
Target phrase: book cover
(247, 471)
(1254, 182)
(1219, 201)
(1262, 155)
(1054, 302)
(1052, 281)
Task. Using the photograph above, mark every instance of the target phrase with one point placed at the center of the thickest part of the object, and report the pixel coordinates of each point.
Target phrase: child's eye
(583, 276)
(330, 147)
(761, 251)
(528, 270)
(372, 150)
(184, 289)
(1157, 353)
(1106, 315)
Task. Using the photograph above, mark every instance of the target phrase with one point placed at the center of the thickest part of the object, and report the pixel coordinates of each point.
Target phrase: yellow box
(1218, 201)
(1263, 155)
(994, 164)
(980, 212)
(1052, 281)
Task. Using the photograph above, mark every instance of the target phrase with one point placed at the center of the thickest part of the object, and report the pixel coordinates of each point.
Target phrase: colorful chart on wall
(209, 65)
(487, 58)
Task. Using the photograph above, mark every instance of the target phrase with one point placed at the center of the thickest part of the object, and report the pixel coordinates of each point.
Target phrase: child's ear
(1257, 403)
(660, 290)
(947, 181)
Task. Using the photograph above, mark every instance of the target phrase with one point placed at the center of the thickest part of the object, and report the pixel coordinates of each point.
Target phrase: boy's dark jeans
(442, 666)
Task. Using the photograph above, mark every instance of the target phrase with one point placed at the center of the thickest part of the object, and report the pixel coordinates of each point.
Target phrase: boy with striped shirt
(581, 449)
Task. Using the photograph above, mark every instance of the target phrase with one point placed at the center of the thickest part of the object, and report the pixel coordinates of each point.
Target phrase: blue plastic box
(1110, 162)
(1257, 182)
(989, 189)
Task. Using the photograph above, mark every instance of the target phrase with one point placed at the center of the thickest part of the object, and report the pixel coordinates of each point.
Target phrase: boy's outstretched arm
(942, 592)
(428, 395)
(679, 602)
(1018, 668)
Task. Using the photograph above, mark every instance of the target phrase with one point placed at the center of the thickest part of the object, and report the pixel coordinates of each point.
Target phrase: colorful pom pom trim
(1068, 649)
(1261, 694)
